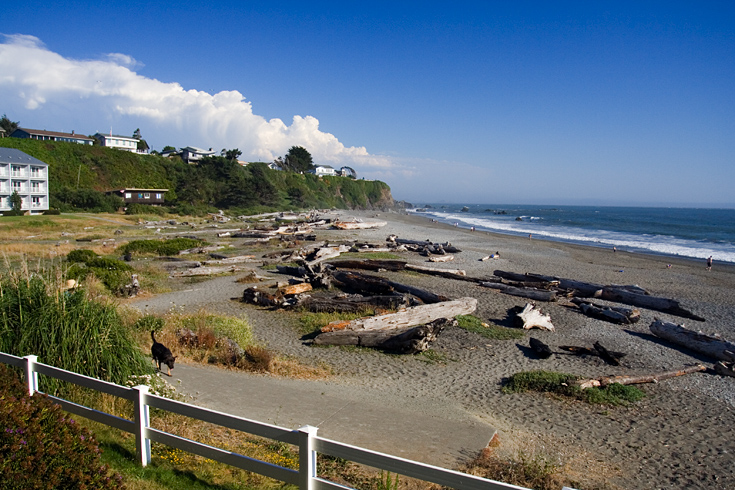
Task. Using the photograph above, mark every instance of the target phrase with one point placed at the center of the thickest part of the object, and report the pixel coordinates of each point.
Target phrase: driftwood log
(647, 378)
(663, 305)
(614, 314)
(597, 350)
(352, 303)
(709, 345)
(410, 340)
(415, 315)
(530, 293)
(530, 317)
(378, 285)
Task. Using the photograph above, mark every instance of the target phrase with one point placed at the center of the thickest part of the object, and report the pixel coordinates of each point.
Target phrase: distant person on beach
(615, 249)
(709, 263)
(529, 236)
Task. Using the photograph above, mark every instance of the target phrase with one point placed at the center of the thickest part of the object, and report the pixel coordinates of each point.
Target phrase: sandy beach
(678, 437)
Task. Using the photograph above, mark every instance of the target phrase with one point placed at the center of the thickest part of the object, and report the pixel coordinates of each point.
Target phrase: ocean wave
(658, 244)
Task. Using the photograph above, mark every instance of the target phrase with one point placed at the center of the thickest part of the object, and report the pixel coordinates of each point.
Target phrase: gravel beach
(677, 437)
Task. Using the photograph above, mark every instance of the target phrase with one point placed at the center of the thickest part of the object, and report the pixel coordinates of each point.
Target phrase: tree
(298, 159)
(233, 154)
(8, 125)
(16, 202)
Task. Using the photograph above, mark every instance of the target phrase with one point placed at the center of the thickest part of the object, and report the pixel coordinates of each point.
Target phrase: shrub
(50, 212)
(160, 247)
(67, 330)
(564, 384)
(41, 448)
(113, 273)
(81, 255)
(14, 213)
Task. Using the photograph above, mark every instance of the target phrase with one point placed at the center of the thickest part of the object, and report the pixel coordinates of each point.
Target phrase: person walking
(709, 263)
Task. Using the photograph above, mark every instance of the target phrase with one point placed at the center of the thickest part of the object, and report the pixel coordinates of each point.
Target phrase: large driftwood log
(416, 315)
(530, 293)
(444, 247)
(378, 285)
(664, 305)
(530, 317)
(442, 258)
(448, 273)
(708, 345)
(410, 340)
(622, 316)
(648, 378)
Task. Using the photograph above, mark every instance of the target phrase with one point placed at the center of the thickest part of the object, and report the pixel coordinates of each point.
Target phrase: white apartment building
(26, 175)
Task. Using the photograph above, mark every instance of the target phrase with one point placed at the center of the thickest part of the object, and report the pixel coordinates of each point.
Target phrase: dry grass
(538, 461)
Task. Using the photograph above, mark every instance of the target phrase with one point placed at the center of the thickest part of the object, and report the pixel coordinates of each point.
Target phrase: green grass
(564, 384)
(494, 332)
(430, 356)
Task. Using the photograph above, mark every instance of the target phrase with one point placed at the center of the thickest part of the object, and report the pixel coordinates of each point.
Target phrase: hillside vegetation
(79, 176)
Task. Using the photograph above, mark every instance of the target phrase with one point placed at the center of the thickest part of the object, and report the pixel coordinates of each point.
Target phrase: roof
(138, 189)
(11, 155)
(57, 134)
(323, 166)
(105, 135)
(194, 149)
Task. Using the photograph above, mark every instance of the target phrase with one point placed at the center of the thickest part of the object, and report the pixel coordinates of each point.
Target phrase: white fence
(305, 438)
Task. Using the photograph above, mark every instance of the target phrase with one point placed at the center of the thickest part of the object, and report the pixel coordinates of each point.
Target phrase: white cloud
(108, 91)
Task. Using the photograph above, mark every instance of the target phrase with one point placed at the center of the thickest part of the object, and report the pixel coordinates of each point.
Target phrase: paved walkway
(404, 428)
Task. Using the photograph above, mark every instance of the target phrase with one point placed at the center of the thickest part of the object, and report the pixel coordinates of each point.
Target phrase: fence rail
(304, 438)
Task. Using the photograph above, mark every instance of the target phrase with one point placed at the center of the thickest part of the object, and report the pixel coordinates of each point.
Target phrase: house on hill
(322, 170)
(28, 176)
(43, 135)
(116, 141)
(134, 195)
(192, 154)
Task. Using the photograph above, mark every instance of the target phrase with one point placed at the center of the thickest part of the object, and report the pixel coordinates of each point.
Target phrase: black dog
(162, 355)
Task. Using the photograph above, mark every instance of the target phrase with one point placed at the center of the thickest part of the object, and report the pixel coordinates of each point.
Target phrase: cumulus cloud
(108, 90)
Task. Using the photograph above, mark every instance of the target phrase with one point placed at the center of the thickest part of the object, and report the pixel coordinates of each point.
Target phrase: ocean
(682, 232)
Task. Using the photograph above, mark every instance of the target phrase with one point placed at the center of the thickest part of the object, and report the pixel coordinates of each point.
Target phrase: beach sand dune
(679, 437)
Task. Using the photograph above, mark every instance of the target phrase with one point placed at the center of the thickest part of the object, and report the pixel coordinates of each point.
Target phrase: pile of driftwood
(548, 288)
(420, 317)
(427, 248)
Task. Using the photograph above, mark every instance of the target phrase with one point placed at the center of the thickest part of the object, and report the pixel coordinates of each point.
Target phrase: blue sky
(529, 102)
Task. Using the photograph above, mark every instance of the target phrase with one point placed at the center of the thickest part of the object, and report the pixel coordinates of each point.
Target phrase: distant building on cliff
(117, 141)
(25, 175)
(322, 170)
(43, 135)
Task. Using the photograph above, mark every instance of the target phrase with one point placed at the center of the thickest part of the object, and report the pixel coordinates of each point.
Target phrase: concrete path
(440, 434)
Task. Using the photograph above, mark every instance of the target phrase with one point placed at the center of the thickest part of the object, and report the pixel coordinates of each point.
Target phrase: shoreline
(677, 437)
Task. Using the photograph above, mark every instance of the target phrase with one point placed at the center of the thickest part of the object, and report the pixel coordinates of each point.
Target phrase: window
(36, 186)
(147, 195)
(140, 195)
(159, 196)
(35, 172)
(128, 195)
(17, 186)
(17, 170)
(36, 201)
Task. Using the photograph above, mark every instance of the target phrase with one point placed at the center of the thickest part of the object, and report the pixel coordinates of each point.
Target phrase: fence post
(307, 457)
(31, 374)
(142, 423)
